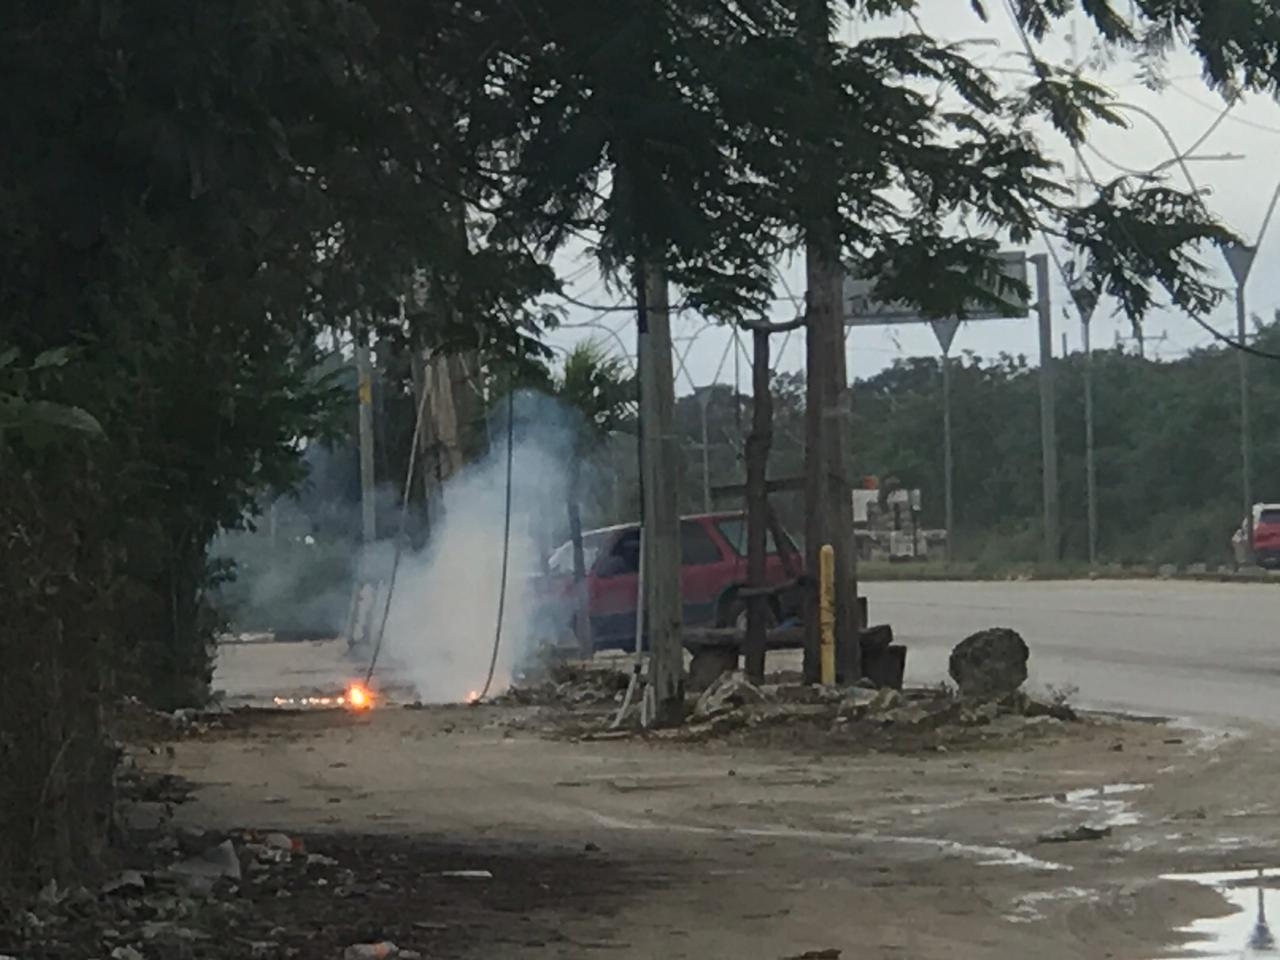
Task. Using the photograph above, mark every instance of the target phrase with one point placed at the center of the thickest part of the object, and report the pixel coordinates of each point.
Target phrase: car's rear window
(1269, 517)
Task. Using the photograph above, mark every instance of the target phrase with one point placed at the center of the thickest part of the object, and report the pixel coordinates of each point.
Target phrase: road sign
(945, 331)
(1240, 260)
(861, 309)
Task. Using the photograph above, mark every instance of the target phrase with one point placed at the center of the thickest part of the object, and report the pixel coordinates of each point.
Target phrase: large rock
(728, 692)
(990, 664)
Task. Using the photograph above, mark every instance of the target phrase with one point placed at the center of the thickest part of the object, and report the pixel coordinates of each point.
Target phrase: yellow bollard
(827, 612)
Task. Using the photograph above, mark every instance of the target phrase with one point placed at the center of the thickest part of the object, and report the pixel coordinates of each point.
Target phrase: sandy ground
(715, 850)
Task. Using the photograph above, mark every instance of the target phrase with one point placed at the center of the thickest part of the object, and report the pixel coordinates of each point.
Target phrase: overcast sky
(1239, 193)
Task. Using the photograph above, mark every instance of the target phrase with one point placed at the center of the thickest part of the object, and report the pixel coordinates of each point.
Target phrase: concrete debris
(466, 874)
(127, 880)
(320, 860)
(215, 863)
(728, 692)
(1075, 834)
(802, 693)
(385, 950)
(282, 841)
(989, 664)
(126, 953)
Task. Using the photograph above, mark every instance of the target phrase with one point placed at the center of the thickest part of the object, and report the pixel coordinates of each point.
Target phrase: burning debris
(356, 697)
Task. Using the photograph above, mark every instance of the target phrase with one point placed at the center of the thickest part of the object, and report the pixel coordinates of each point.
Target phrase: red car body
(713, 568)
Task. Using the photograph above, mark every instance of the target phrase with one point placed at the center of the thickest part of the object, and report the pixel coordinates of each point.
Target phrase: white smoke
(440, 630)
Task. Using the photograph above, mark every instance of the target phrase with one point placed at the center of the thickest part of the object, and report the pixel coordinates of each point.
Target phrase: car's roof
(619, 527)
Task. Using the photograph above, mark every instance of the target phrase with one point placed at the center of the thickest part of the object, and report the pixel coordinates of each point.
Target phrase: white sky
(1239, 193)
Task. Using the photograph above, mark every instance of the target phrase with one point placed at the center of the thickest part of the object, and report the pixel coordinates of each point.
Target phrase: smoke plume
(440, 631)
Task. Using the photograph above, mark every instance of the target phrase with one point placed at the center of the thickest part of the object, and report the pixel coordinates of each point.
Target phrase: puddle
(1103, 806)
(1028, 907)
(1245, 931)
(985, 856)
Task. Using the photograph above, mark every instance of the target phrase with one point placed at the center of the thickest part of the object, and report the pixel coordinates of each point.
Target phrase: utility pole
(368, 508)
(1048, 424)
(661, 540)
(828, 495)
(704, 399)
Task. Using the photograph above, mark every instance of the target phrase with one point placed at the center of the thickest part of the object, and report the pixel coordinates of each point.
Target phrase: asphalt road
(1201, 650)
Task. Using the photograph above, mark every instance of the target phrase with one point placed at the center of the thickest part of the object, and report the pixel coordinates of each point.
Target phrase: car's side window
(697, 549)
(623, 556)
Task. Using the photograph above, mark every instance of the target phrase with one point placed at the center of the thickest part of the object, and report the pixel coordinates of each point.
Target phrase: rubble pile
(569, 685)
(200, 895)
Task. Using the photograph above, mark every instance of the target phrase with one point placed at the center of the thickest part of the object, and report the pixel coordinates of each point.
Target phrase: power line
(1244, 122)
(1178, 156)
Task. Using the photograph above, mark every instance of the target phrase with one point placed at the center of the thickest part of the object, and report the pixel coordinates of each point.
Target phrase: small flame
(358, 697)
(473, 696)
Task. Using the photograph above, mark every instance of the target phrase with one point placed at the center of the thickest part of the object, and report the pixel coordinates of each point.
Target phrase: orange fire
(359, 697)
(473, 696)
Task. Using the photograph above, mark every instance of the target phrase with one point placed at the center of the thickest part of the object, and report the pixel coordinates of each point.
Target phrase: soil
(771, 839)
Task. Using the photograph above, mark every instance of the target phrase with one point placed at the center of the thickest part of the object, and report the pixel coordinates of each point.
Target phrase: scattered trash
(1075, 834)
(466, 874)
(385, 950)
(989, 664)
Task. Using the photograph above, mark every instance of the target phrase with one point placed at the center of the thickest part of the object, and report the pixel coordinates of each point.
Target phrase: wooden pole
(757, 457)
(661, 541)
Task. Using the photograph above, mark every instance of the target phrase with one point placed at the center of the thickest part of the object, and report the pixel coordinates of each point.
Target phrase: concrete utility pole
(661, 541)
(1048, 420)
(368, 508)
(704, 399)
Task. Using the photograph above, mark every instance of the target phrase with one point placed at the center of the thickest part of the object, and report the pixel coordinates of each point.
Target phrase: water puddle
(1244, 932)
(1029, 907)
(1104, 806)
(983, 855)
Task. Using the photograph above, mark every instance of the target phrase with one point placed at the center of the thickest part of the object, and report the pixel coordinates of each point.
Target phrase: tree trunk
(757, 457)
(581, 620)
(662, 602)
(828, 494)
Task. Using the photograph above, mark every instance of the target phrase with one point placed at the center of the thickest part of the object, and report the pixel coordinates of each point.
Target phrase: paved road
(1204, 650)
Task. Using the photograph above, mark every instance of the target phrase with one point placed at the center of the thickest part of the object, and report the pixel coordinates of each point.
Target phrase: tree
(599, 395)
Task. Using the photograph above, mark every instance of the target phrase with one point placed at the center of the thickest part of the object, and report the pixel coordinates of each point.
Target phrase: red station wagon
(713, 566)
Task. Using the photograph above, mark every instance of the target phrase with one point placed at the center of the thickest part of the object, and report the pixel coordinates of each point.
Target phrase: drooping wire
(506, 546)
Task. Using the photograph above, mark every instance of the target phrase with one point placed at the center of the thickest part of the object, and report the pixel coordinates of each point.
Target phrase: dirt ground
(769, 846)
(781, 844)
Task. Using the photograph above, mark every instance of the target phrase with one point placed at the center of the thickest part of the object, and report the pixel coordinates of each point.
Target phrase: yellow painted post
(827, 611)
